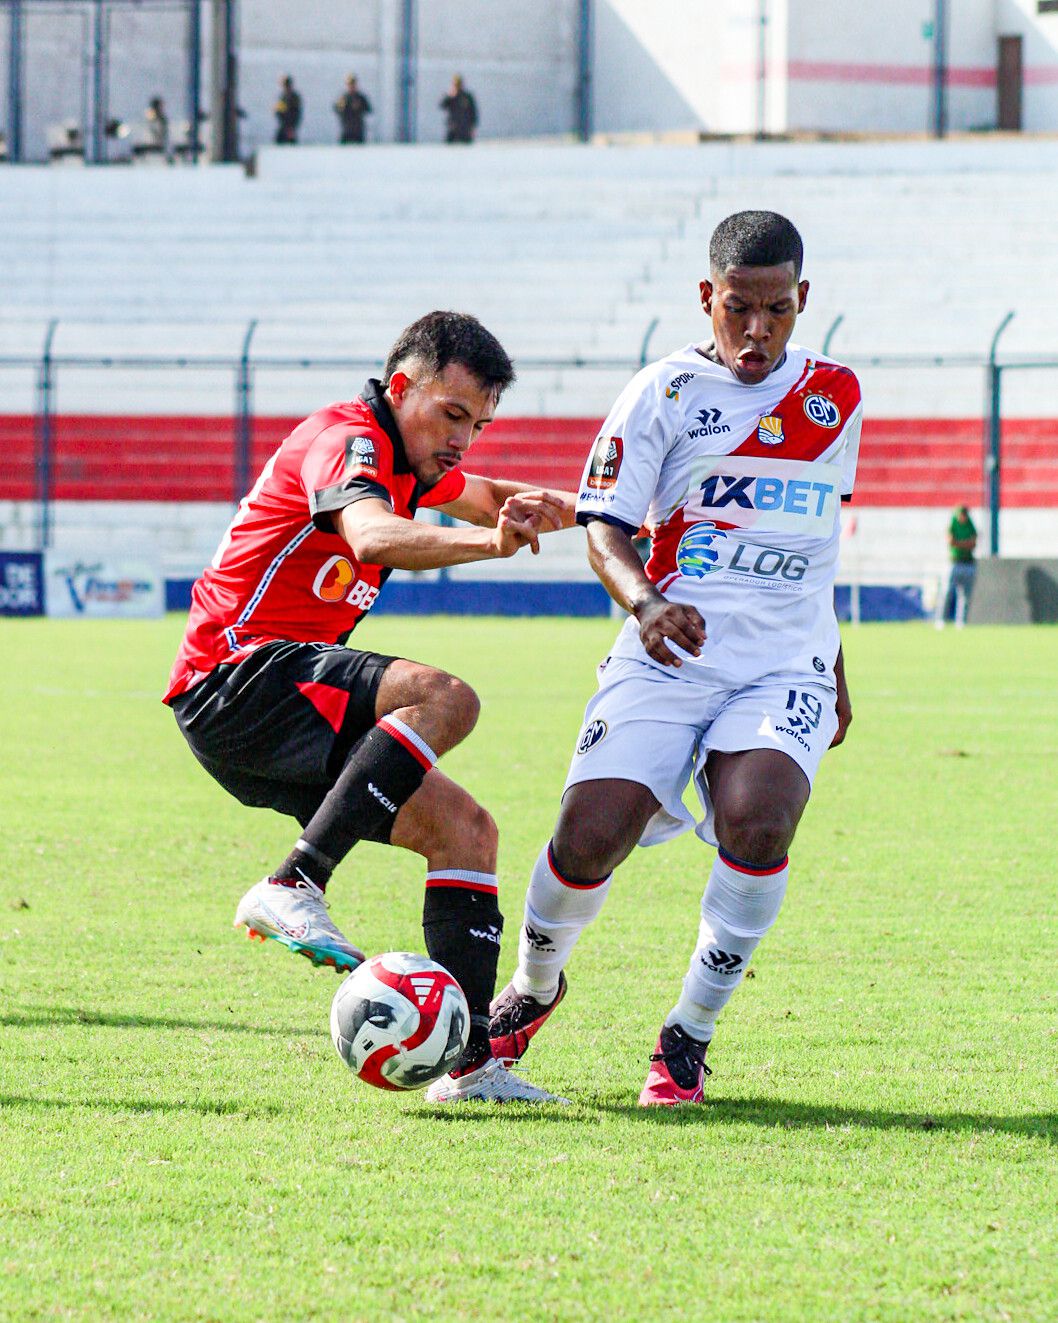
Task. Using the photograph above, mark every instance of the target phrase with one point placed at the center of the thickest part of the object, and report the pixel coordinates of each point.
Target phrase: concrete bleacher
(576, 257)
(568, 252)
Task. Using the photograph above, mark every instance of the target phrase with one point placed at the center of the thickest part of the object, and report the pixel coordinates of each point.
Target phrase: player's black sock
(305, 861)
(383, 771)
(462, 925)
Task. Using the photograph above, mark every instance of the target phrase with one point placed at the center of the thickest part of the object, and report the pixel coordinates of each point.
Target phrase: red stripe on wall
(903, 461)
(913, 75)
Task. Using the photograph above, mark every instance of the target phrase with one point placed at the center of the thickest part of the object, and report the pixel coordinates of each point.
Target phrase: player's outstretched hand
(661, 621)
(516, 527)
(544, 510)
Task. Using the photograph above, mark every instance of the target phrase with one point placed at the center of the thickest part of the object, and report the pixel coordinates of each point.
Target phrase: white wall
(675, 64)
(877, 73)
(666, 65)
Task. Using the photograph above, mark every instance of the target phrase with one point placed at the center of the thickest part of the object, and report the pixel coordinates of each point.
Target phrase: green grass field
(178, 1139)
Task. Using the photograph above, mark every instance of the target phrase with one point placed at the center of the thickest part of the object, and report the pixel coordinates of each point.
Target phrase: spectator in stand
(287, 111)
(157, 122)
(962, 540)
(461, 113)
(351, 108)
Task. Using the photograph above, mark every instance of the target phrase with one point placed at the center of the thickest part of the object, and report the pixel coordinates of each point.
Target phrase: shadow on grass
(37, 1017)
(228, 1107)
(771, 1113)
(779, 1113)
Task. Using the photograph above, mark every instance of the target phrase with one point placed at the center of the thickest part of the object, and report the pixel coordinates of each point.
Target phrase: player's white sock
(740, 904)
(557, 910)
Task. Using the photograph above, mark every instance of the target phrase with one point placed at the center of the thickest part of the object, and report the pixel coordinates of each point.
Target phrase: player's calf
(462, 923)
(739, 906)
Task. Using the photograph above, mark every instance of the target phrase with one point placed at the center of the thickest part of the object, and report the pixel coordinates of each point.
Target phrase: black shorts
(270, 738)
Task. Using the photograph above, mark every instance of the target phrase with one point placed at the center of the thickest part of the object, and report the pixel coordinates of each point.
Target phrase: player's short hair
(440, 338)
(755, 238)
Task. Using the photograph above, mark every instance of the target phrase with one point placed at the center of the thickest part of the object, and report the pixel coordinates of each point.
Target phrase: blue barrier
(880, 602)
(21, 583)
(462, 597)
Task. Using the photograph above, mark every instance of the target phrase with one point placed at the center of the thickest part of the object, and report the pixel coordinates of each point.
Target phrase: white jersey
(740, 489)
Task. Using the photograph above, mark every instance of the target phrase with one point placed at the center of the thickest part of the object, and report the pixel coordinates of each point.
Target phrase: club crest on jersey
(591, 735)
(697, 553)
(822, 411)
(361, 455)
(606, 462)
(769, 430)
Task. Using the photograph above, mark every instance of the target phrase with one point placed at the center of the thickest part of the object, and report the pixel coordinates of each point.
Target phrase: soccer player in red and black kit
(285, 716)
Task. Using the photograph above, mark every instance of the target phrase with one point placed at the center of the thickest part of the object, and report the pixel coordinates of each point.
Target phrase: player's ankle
(477, 1051)
(542, 988)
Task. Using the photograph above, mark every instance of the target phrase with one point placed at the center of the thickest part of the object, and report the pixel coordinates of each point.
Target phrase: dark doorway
(1008, 84)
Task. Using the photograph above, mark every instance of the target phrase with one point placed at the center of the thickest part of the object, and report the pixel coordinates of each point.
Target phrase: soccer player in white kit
(735, 455)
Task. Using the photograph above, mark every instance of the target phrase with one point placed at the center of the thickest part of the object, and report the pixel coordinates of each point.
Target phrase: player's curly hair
(755, 238)
(441, 338)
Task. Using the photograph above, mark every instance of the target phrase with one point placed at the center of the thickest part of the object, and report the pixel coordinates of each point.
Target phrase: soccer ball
(400, 1021)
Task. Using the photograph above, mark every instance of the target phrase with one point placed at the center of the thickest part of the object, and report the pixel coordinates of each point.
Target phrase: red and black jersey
(281, 571)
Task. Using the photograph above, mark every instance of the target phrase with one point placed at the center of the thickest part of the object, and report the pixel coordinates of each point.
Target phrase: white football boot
(296, 915)
(492, 1082)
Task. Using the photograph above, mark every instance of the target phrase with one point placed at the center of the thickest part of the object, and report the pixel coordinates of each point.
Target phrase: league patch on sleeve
(606, 463)
(361, 456)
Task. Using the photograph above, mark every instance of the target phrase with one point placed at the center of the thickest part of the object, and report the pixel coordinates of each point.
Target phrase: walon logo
(710, 424)
(722, 962)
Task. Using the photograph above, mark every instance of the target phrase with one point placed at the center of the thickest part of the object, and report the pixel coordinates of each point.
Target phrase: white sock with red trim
(740, 904)
(557, 910)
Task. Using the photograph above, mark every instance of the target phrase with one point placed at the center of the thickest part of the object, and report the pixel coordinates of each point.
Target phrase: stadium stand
(581, 259)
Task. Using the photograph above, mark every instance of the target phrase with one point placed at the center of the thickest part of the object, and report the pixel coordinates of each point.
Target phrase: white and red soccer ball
(400, 1021)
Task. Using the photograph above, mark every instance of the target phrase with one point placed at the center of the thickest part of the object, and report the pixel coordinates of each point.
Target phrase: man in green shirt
(962, 540)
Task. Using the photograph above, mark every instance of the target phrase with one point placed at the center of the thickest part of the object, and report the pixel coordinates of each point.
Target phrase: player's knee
(460, 704)
(585, 849)
(452, 704)
(756, 832)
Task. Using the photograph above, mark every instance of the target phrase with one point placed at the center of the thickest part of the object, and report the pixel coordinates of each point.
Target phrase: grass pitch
(178, 1139)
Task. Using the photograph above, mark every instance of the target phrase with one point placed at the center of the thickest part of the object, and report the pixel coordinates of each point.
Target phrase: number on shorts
(811, 709)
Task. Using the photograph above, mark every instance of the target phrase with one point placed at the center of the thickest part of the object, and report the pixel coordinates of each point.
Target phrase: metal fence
(28, 438)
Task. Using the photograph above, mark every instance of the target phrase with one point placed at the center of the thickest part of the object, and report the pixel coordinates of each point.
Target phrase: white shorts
(654, 727)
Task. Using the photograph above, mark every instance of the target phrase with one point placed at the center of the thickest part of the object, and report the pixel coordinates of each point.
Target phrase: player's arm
(380, 537)
(482, 499)
(615, 560)
(843, 703)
